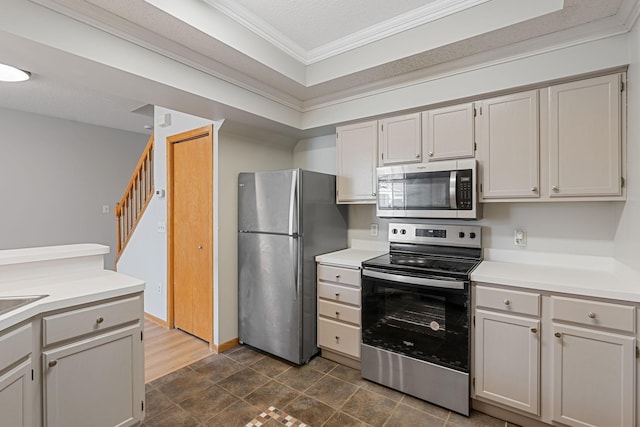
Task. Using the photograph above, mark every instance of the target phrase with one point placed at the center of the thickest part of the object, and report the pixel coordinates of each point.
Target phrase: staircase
(135, 199)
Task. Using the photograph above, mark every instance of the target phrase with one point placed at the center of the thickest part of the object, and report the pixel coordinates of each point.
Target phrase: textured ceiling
(310, 24)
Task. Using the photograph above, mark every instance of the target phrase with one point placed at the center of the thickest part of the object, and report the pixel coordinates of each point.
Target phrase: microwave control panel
(465, 189)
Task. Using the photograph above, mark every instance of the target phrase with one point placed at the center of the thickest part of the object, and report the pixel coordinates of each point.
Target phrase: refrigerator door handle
(293, 249)
(293, 200)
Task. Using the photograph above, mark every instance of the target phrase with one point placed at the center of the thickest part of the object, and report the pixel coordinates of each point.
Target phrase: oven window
(425, 323)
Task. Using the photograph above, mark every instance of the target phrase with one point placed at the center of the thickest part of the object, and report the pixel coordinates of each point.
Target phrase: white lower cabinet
(571, 363)
(95, 377)
(508, 360)
(339, 313)
(16, 378)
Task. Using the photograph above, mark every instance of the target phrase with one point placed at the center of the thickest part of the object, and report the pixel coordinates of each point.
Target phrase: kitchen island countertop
(69, 275)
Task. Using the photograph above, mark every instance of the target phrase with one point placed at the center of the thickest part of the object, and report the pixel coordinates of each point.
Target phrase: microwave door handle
(453, 185)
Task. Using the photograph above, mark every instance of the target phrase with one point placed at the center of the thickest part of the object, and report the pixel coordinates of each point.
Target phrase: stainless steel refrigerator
(285, 219)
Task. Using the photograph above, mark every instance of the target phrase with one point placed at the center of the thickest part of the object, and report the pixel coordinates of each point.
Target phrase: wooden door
(190, 185)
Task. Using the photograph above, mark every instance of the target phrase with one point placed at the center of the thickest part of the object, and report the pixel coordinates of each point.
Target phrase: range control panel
(436, 234)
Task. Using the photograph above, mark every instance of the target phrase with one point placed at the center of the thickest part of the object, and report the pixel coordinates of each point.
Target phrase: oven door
(419, 317)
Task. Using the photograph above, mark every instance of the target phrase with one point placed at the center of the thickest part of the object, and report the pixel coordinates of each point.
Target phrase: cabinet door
(585, 138)
(97, 381)
(593, 377)
(357, 151)
(16, 398)
(507, 360)
(400, 140)
(448, 133)
(508, 146)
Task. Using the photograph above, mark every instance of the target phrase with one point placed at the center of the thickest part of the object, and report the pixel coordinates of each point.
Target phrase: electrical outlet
(374, 229)
(105, 209)
(159, 288)
(520, 237)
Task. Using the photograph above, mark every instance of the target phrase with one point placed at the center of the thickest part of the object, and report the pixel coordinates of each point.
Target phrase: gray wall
(55, 176)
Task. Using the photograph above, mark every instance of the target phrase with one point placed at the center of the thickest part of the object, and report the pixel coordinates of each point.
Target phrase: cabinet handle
(53, 363)
(555, 188)
(337, 339)
(99, 320)
(337, 276)
(591, 315)
(373, 194)
(534, 330)
(558, 335)
(430, 153)
(337, 314)
(507, 302)
(417, 156)
(534, 189)
(337, 294)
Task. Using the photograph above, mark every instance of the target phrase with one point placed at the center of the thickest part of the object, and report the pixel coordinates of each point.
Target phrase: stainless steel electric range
(416, 305)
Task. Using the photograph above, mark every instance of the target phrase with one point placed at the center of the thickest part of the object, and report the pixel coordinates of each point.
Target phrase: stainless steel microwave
(444, 189)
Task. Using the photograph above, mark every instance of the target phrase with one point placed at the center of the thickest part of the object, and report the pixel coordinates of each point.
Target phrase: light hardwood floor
(167, 350)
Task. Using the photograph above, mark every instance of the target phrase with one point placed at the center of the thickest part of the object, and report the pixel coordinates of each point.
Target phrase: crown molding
(435, 10)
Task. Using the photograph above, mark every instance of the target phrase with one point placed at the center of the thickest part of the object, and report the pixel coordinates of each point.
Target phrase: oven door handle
(421, 281)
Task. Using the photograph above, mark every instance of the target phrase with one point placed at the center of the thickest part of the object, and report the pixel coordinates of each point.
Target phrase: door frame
(171, 141)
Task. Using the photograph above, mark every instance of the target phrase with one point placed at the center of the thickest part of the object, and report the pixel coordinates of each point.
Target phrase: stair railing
(135, 199)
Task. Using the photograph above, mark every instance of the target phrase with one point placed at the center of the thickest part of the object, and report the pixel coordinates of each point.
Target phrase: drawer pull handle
(337, 314)
(53, 363)
(337, 339)
(507, 302)
(534, 330)
(558, 335)
(591, 315)
(337, 276)
(99, 320)
(337, 294)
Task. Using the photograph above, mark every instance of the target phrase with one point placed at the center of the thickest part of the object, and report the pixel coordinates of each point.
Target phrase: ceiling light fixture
(12, 74)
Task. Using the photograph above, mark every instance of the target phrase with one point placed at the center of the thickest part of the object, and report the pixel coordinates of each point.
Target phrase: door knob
(200, 247)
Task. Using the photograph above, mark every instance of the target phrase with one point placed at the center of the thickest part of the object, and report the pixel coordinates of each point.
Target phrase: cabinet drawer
(15, 345)
(349, 276)
(594, 313)
(339, 312)
(508, 300)
(339, 337)
(62, 326)
(339, 293)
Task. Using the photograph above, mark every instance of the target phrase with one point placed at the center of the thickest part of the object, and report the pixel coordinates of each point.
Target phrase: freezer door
(268, 202)
(269, 304)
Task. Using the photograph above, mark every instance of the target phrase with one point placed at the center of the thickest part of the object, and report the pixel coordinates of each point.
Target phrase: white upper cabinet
(448, 133)
(357, 152)
(400, 140)
(508, 143)
(585, 137)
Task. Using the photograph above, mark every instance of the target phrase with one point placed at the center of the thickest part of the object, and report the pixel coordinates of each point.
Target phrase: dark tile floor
(235, 387)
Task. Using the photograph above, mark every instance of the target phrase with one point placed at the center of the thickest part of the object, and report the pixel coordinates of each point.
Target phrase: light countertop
(63, 287)
(590, 276)
(360, 250)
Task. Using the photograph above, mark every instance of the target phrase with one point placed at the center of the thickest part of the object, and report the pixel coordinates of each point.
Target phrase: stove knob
(472, 235)
(403, 231)
(461, 234)
(394, 231)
